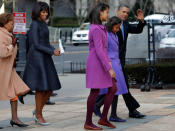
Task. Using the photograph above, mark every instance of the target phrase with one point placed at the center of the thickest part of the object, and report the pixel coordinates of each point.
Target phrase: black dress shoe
(50, 102)
(136, 114)
(116, 119)
(21, 99)
(17, 124)
(53, 94)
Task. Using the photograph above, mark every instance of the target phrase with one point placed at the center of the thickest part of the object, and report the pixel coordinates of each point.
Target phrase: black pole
(153, 42)
(20, 7)
(149, 52)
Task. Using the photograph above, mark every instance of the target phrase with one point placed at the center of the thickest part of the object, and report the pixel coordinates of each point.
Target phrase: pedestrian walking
(11, 84)
(40, 73)
(113, 27)
(99, 72)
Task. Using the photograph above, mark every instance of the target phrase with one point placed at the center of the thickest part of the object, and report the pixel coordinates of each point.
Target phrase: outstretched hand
(57, 52)
(140, 15)
(14, 41)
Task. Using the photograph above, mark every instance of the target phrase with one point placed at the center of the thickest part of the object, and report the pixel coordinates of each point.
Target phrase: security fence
(65, 34)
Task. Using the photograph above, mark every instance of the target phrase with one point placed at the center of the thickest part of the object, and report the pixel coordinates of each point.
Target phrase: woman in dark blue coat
(40, 73)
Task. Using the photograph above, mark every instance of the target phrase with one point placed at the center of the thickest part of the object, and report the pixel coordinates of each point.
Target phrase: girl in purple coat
(99, 72)
(113, 27)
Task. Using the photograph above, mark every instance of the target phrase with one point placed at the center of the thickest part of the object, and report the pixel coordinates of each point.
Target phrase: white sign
(19, 23)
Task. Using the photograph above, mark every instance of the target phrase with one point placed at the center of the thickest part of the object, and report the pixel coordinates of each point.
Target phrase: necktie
(122, 29)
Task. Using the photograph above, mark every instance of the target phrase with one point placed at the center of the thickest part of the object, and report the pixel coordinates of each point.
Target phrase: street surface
(69, 112)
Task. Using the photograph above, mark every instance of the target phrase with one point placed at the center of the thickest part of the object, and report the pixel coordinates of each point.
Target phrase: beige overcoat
(11, 85)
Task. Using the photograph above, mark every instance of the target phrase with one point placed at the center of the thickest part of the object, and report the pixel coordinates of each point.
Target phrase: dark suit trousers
(130, 101)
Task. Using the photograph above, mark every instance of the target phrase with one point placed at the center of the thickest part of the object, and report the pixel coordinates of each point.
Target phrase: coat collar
(5, 31)
(99, 26)
(112, 35)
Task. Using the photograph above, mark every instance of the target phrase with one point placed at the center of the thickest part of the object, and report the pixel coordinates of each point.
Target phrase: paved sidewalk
(69, 112)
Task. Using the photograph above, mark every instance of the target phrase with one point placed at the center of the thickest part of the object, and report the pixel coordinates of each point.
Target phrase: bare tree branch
(129, 3)
(145, 5)
(141, 4)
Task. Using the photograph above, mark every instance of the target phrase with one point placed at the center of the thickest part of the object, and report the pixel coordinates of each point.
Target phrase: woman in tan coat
(11, 85)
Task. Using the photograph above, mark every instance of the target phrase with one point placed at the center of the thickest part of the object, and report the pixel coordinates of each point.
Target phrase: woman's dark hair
(112, 21)
(38, 7)
(5, 18)
(94, 15)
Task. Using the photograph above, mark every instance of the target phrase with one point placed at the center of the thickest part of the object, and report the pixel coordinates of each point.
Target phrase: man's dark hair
(123, 5)
(112, 21)
(95, 13)
(38, 7)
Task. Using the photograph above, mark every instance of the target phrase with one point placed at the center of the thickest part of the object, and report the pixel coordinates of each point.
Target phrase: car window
(85, 27)
(171, 34)
(153, 21)
(173, 26)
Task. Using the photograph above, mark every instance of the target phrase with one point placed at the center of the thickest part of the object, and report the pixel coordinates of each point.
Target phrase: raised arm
(136, 28)
(139, 27)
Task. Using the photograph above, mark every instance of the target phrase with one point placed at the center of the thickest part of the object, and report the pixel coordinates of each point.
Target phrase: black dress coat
(128, 28)
(40, 73)
(130, 101)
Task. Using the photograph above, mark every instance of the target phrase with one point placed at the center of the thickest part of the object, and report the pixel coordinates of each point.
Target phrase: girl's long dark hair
(112, 21)
(94, 15)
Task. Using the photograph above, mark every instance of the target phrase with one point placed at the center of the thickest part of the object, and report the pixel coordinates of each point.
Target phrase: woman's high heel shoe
(17, 124)
(37, 121)
(34, 112)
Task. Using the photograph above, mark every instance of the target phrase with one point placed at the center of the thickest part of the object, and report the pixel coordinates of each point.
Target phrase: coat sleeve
(101, 50)
(5, 50)
(136, 28)
(35, 37)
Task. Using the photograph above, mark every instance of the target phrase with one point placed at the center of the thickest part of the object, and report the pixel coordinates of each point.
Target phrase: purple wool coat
(97, 67)
(113, 52)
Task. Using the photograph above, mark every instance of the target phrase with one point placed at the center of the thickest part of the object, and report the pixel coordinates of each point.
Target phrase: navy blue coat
(128, 28)
(40, 73)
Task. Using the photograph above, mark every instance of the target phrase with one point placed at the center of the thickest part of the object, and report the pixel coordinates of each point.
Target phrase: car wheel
(142, 88)
(147, 88)
(75, 44)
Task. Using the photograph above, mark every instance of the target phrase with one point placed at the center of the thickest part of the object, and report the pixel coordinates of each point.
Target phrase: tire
(142, 88)
(160, 85)
(147, 88)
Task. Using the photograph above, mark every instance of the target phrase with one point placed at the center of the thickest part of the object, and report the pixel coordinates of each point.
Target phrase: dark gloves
(14, 41)
(14, 63)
